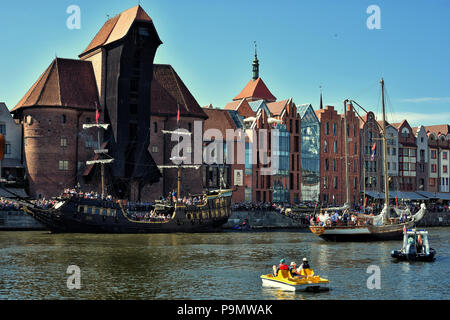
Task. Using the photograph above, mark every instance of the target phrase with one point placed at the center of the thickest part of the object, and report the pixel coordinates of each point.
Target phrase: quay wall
(262, 219)
(18, 220)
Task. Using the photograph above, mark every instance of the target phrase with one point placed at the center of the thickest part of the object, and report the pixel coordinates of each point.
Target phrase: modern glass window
(63, 142)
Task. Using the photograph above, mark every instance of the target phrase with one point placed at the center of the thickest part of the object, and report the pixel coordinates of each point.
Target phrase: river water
(227, 265)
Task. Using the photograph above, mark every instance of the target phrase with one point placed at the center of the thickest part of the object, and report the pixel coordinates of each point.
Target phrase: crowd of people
(9, 205)
(149, 216)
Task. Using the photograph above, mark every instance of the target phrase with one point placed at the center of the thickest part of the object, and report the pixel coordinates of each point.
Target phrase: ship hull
(360, 233)
(92, 216)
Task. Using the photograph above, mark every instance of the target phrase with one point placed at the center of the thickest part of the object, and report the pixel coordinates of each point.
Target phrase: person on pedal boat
(305, 269)
(281, 266)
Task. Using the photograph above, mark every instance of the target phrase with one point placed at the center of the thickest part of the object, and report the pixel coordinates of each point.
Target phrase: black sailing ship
(126, 46)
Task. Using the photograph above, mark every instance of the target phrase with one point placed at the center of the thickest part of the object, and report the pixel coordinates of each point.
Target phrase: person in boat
(293, 269)
(419, 244)
(281, 266)
(301, 271)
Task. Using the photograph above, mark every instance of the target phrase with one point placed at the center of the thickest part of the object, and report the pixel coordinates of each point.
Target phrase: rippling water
(209, 266)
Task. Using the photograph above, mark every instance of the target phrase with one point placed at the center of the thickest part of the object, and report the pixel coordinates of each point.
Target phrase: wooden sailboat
(368, 228)
(75, 214)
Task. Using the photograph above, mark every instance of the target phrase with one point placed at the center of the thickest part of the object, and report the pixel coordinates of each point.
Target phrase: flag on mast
(374, 147)
(178, 115)
(97, 114)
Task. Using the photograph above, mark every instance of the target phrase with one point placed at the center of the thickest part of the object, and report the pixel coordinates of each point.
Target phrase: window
(433, 168)
(433, 154)
(3, 128)
(63, 165)
(394, 151)
(327, 128)
(335, 182)
(335, 147)
(63, 142)
(444, 169)
(444, 155)
(155, 127)
(422, 155)
(154, 149)
(334, 129)
(63, 118)
(327, 165)
(334, 165)
(7, 148)
(325, 146)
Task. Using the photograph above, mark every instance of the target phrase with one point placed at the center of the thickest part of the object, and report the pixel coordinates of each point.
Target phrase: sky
(302, 46)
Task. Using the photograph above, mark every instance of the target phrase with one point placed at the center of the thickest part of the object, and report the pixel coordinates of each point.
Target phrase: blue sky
(301, 45)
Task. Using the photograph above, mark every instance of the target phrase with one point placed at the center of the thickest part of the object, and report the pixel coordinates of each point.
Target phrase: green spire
(255, 65)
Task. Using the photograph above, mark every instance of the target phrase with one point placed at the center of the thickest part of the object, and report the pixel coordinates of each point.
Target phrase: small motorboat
(284, 280)
(416, 247)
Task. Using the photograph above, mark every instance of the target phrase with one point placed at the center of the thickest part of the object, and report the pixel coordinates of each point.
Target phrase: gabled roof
(259, 104)
(168, 91)
(255, 90)
(65, 83)
(276, 108)
(117, 28)
(220, 119)
(438, 129)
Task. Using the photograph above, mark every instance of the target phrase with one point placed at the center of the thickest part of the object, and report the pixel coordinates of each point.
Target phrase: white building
(392, 156)
(11, 165)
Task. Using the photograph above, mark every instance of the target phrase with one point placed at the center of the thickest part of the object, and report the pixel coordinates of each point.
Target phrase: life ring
(328, 222)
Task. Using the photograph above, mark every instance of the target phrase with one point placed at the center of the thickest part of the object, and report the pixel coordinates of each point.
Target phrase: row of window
(98, 211)
(335, 182)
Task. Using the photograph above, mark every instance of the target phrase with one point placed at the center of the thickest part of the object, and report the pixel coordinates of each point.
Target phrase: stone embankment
(268, 219)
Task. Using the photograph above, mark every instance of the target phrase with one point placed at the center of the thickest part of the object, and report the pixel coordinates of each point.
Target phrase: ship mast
(386, 173)
(100, 151)
(347, 190)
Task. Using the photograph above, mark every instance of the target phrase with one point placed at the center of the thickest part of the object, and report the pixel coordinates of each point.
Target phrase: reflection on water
(224, 265)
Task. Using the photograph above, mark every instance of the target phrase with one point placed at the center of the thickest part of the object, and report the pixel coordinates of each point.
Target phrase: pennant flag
(374, 147)
(396, 201)
(178, 114)
(97, 115)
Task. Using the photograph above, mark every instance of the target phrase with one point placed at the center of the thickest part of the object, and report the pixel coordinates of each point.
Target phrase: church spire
(255, 65)
(321, 104)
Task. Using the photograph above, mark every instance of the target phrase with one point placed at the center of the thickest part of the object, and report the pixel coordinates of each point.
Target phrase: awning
(443, 196)
(406, 195)
(429, 195)
(12, 193)
(396, 194)
(11, 163)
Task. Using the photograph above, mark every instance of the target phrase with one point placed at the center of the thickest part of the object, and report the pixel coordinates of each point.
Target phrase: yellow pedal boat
(309, 282)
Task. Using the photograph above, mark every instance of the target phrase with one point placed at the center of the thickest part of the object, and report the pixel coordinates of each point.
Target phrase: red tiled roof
(65, 83)
(218, 119)
(117, 27)
(276, 108)
(233, 105)
(168, 91)
(438, 129)
(255, 90)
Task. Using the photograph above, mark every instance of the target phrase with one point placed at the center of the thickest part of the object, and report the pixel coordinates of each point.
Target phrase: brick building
(52, 113)
(115, 74)
(332, 151)
(407, 157)
(168, 93)
(371, 154)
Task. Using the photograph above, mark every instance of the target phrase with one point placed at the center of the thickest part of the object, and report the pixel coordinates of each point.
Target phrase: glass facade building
(280, 154)
(310, 153)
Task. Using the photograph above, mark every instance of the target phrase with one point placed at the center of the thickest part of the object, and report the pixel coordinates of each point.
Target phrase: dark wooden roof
(117, 28)
(168, 91)
(65, 83)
